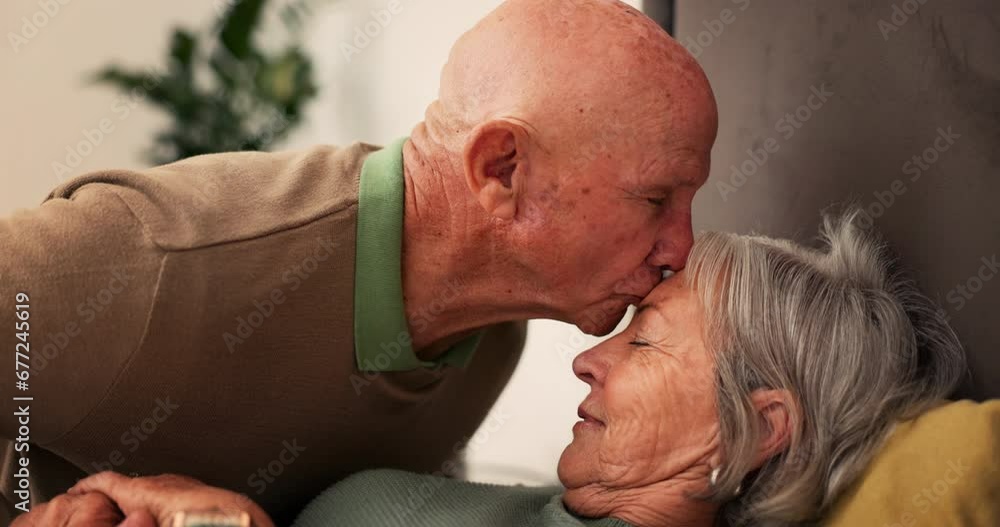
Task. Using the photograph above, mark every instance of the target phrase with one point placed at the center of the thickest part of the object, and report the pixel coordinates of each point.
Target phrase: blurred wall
(893, 103)
(48, 106)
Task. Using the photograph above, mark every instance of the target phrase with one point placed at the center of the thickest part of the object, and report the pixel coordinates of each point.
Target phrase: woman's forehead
(664, 298)
(671, 288)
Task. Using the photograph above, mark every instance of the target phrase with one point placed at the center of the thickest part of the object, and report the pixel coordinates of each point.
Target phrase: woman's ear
(777, 414)
(491, 157)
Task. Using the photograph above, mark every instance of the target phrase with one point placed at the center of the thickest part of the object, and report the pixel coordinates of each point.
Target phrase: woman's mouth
(588, 418)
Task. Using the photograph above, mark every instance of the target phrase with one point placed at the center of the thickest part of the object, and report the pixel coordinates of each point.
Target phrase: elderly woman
(753, 387)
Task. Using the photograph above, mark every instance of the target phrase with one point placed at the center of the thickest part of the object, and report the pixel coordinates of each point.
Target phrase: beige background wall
(936, 69)
(46, 102)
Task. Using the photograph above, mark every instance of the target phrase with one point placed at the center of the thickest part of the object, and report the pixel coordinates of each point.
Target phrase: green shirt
(382, 340)
(393, 498)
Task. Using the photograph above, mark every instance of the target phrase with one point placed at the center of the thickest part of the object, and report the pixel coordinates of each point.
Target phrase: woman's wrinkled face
(651, 413)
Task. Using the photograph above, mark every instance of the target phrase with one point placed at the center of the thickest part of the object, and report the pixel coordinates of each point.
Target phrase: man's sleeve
(81, 273)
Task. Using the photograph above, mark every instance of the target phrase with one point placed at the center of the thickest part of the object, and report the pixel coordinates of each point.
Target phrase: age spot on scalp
(585, 191)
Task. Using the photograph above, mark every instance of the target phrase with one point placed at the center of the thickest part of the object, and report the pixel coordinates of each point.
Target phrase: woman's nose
(590, 367)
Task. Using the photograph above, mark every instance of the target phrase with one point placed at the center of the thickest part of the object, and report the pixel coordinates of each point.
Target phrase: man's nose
(673, 243)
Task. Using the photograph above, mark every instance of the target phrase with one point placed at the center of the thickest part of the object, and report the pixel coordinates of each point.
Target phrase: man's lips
(640, 284)
(630, 298)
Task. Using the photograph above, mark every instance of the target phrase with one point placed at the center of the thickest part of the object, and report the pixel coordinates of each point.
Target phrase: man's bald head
(568, 140)
(565, 69)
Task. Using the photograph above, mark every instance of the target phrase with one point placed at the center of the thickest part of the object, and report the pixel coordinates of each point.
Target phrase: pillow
(940, 469)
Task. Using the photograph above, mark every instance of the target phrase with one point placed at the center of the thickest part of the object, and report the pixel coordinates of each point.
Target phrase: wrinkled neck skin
(457, 277)
(670, 503)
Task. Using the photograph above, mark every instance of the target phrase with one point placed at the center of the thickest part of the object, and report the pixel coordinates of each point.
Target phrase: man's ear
(777, 415)
(492, 156)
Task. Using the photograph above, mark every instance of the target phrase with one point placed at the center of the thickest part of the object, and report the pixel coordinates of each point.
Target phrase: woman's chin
(572, 464)
(578, 473)
(585, 501)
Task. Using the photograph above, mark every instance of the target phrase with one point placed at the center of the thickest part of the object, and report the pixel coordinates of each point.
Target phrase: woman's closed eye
(643, 342)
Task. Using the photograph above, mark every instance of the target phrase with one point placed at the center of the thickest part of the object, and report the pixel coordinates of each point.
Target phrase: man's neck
(455, 280)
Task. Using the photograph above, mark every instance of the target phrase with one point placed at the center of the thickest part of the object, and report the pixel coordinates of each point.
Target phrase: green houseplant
(222, 91)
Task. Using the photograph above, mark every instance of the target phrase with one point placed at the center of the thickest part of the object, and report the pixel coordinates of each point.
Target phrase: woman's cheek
(640, 376)
(634, 396)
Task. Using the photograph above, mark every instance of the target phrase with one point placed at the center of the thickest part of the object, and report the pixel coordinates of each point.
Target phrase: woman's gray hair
(852, 339)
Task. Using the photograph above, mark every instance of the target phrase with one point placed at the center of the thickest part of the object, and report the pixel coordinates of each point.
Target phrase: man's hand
(91, 509)
(162, 496)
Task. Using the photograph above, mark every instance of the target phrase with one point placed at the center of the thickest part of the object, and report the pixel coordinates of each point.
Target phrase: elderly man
(270, 323)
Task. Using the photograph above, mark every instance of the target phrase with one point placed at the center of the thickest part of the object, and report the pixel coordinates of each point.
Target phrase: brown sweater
(134, 279)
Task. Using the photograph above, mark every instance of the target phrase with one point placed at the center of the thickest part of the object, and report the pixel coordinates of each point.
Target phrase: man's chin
(599, 322)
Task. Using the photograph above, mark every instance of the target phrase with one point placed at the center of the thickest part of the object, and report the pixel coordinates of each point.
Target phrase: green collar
(382, 340)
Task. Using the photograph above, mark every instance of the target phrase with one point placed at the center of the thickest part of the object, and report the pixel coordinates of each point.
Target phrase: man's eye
(658, 202)
(638, 343)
